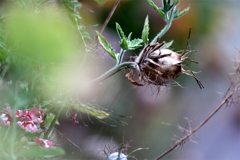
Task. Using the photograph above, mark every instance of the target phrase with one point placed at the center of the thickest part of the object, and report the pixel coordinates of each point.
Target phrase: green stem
(13, 134)
(112, 71)
(46, 135)
(166, 28)
(121, 56)
(163, 31)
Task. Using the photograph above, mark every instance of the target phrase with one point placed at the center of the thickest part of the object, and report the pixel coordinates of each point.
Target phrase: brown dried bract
(130, 77)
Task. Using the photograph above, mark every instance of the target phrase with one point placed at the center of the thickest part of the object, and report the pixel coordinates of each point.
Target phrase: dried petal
(130, 77)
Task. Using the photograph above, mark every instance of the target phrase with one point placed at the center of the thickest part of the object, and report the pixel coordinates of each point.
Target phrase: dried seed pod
(160, 66)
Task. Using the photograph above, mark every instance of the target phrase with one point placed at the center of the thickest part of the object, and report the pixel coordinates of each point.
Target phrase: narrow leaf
(120, 31)
(124, 44)
(161, 12)
(182, 13)
(167, 45)
(129, 36)
(153, 4)
(134, 44)
(145, 31)
(40, 152)
(99, 1)
(106, 46)
(84, 33)
(175, 3)
(98, 113)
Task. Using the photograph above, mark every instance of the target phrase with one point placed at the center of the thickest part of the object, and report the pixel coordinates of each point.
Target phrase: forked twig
(188, 135)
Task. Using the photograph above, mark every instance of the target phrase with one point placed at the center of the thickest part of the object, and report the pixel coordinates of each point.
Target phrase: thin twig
(109, 16)
(186, 137)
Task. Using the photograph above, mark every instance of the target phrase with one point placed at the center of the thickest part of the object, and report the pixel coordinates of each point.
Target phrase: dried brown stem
(187, 136)
(109, 16)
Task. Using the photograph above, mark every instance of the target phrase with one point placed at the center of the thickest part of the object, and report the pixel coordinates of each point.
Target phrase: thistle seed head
(160, 66)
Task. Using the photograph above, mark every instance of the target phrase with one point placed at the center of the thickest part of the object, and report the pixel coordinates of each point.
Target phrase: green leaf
(161, 12)
(167, 45)
(124, 44)
(175, 3)
(134, 44)
(40, 152)
(182, 13)
(99, 1)
(120, 31)
(129, 36)
(85, 108)
(49, 119)
(84, 33)
(153, 4)
(106, 46)
(145, 31)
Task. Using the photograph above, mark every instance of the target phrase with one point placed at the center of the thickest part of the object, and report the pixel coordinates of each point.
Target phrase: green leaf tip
(183, 12)
(145, 31)
(167, 45)
(106, 46)
(99, 1)
(175, 3)
(159, 10)
(120, 31)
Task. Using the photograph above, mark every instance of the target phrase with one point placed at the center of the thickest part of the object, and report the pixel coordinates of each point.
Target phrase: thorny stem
(112, 71)
(186, 137)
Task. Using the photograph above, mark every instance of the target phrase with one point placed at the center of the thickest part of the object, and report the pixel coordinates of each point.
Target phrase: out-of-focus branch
(188, 135)
(110, 15)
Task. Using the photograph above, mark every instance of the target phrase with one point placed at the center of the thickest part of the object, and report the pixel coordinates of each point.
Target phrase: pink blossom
(34, 115)
(25, 119)
(44, 143)
(6, 116)
(28, 126)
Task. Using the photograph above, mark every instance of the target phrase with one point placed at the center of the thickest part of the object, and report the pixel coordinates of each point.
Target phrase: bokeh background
(215, 34)
(152, 118)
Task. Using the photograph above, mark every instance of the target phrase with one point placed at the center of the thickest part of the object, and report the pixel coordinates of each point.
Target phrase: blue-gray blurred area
(156, 117)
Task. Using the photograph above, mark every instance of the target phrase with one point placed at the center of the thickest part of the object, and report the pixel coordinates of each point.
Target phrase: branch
(110, 15)
(186, 137)
(112, 71)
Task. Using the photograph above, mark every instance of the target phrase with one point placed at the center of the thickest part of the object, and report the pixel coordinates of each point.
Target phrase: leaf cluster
(168, 11)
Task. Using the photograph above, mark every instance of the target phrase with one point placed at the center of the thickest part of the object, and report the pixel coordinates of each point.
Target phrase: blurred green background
(215, 34)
